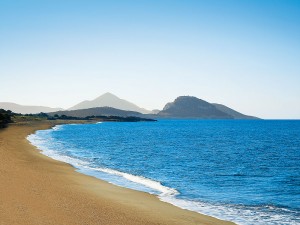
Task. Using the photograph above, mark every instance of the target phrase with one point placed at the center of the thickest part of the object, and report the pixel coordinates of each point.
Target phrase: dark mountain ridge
(98, 111)
(235, 114)
(192, 107)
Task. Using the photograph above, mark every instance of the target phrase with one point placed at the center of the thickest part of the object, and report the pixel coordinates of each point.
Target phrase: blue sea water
(238, 170)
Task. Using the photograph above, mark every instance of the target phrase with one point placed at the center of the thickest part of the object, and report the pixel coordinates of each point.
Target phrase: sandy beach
(35, 189)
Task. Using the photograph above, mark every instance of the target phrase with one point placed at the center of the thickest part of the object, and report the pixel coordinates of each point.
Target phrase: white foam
(45, 150)
(57, 127)
(155, 185)
(240, 214)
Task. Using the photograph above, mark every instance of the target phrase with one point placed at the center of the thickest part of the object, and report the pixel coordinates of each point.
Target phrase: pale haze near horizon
(243, 54)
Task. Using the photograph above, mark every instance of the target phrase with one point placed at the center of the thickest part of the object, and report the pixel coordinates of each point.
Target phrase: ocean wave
(240, 214)
(45, 149)
(58, 127)
(164, 191)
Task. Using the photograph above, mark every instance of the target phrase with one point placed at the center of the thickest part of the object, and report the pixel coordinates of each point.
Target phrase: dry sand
(35, 189)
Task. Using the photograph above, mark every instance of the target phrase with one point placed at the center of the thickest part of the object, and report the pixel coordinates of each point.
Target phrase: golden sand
(38, 190)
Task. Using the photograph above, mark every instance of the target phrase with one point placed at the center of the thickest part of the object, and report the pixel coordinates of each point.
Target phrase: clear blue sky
(241, 53)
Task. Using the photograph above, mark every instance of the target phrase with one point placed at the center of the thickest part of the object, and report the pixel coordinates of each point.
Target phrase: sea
(245, 171)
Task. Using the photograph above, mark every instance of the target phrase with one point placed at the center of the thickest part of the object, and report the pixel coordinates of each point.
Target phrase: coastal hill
(233, 113)
(109, 100)
(98, 111)
(25, 109)
(192, 107)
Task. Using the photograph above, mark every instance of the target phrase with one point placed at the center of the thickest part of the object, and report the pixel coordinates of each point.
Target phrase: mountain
(109, 100)
(192, 107)
(98, 111)
(235, 114)
(155, 111)
(25, 109)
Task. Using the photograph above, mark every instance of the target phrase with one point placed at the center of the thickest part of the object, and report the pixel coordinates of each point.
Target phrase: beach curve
(36, 189)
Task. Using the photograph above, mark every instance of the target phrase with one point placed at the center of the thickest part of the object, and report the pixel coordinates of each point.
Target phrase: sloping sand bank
(35, 189)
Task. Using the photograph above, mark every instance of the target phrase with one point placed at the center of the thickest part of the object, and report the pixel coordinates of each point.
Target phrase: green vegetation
(5, 117)
(119, 118)
(99, 118)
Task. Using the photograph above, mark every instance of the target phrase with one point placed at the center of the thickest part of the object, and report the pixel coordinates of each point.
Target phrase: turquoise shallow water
(243, 171)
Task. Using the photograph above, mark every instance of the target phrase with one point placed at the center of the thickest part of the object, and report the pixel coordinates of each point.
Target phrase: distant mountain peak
(108, 94)
(185, 98)
(109, 100)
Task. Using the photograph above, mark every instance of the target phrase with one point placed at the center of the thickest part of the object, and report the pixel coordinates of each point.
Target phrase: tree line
(5, 117)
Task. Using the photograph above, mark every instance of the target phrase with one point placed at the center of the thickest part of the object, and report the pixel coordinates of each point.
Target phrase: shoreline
(41, 190)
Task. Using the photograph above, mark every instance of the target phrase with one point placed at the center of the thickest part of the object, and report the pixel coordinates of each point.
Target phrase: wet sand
(35, 189)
